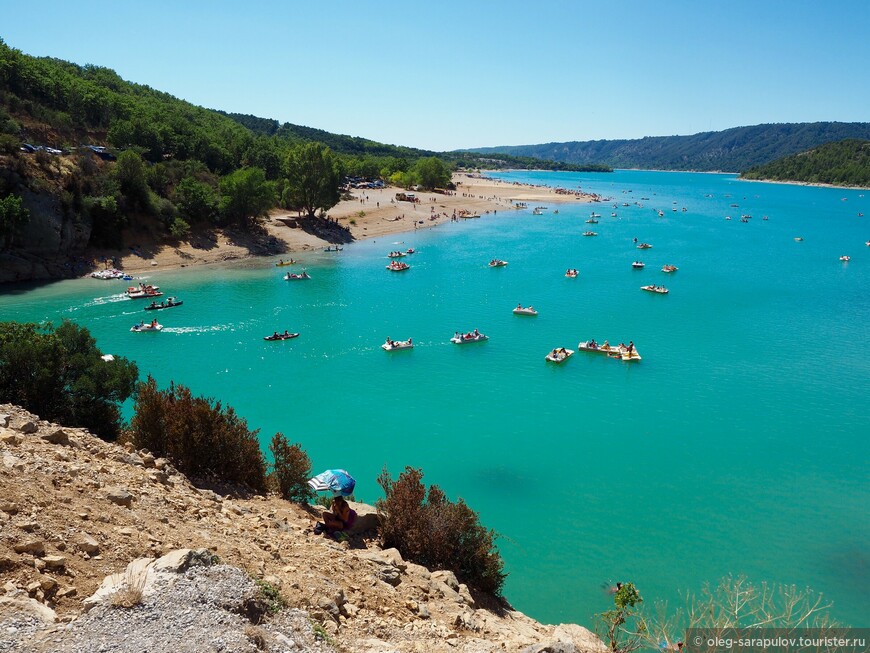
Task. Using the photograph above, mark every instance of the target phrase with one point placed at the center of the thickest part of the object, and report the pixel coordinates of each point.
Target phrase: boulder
(119, 496)
(447, 577)
(54, 562)
(367, 518)
(19, 605)
(57, 436)
(28, 427)
(32, 546)
(4, 421)
(88, 544)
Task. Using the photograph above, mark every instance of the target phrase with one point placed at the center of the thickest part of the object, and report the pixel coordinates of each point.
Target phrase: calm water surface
(738, 445)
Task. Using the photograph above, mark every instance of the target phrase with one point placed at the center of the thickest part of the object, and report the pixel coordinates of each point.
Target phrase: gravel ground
(204, 610)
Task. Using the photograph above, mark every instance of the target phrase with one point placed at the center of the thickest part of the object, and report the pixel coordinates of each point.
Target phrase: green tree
(245, 195)
(291, 469)
(432, 172)
(196, 200)
(60, 375)
(313, 178)
(133, 182)
(13, 216)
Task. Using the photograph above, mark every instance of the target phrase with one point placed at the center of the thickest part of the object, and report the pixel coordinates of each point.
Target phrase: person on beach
(340, 518)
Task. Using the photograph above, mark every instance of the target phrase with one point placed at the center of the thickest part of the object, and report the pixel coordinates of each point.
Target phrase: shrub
(179, 229)
(201, 437)
(59, 375)
(291, 470)
(427, 528)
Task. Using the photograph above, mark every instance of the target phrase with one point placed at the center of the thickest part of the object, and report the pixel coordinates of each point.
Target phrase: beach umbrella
(338, 481)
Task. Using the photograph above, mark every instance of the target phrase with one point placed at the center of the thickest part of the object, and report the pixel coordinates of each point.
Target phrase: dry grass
(133, 590)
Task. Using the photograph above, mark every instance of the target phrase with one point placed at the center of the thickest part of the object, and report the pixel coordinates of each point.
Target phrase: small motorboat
(497, 263)
(592, 221)
(669, 268)
(281, 263)
(411, 250)
(528, 310)
(142, 287)
(638, 265)
(396, 254)
(171, 302)
(397, 266)
(466, 338)
(644, 246)
(661, 290)
(867, 243)
(281, 336)
(394, 345)
(559, 355)
(144, 294)
(593, 215)
(590, 233)
(799, 239)
(537, 212)
(292, 276)
(571, 273)
(845, 258)
(154, 326)
(333, 248)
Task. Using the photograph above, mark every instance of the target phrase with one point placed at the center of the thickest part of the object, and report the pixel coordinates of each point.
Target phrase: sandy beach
(370, 214)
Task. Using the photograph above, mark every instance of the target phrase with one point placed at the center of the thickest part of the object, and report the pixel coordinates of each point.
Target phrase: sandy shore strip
(371, 213)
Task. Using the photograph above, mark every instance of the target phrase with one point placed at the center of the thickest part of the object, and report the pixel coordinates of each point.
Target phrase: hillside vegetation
(730, 150)
(845, 163)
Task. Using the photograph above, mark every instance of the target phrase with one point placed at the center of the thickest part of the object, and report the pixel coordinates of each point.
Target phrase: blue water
(738, 445)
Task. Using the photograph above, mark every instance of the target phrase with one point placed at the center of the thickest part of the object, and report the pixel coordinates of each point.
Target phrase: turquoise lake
(739, 444)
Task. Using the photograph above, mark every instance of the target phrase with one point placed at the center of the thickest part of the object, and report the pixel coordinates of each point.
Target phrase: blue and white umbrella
(338, 481)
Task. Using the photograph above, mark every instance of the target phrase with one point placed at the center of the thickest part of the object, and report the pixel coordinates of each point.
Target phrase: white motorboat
(466, 338)
(845, 258)
(661, 290)
(292, 276)
(528, 310)
(638, 265)
(497, 263)
(394, 345)
(153, 326)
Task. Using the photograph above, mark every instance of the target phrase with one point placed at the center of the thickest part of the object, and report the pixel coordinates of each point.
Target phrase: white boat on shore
(559, 355)
(395, 345)
(466, 338)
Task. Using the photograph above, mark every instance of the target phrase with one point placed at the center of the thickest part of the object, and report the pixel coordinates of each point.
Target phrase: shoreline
(811, 184)
(372, 213)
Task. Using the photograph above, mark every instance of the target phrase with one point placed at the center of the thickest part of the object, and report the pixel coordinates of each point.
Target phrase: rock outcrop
(106, 540)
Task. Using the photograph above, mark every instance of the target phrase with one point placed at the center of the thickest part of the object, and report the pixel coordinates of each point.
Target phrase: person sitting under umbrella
(340, 518)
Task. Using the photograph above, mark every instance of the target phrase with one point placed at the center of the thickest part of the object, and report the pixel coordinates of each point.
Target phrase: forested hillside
(845, 163)
(730, 150)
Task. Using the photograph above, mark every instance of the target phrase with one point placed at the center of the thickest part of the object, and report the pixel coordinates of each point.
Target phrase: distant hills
(845, 163)
(731, 150)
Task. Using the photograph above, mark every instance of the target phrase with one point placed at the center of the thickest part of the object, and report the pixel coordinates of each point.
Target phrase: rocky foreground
(103, 548)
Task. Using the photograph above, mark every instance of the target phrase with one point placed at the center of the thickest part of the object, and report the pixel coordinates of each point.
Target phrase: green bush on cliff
(200, 436)
(60, 375)
(427, 528)
(290, 470)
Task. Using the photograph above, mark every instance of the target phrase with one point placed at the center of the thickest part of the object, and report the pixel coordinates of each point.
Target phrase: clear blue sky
(448, 74)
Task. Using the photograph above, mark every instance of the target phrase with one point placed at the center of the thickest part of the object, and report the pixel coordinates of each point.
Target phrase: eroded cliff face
(53, 238)
(49, 244)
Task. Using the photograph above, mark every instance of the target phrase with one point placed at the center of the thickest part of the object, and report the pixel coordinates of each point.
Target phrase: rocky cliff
(107, 548)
